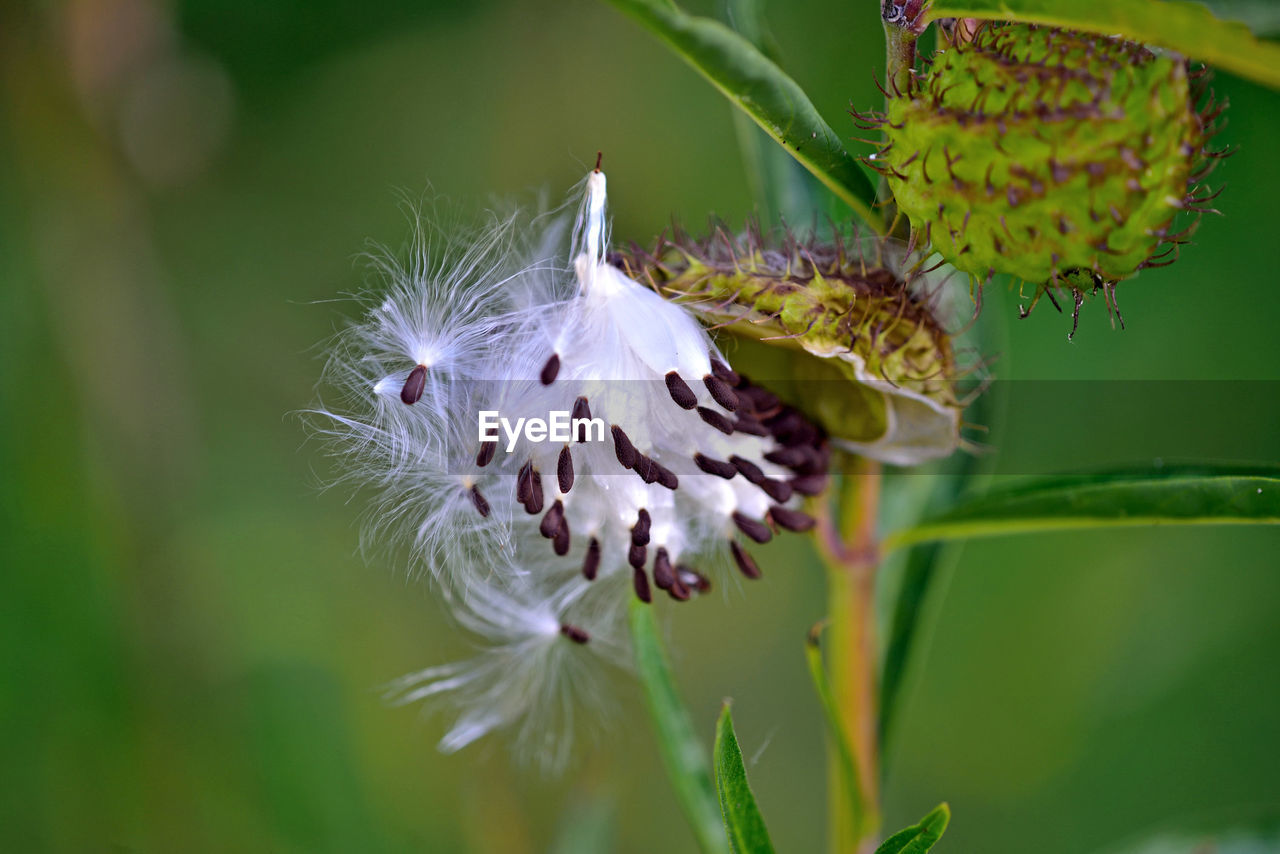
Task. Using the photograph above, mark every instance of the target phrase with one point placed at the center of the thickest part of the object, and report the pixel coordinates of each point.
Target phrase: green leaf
(910, 575)
(1171, 495)
(781, 188)
(917, 579)
(835, 730)
(909, 497)
(682, 754)
(918, 838)
(742, 819)
(1186, 27)
(764, 92)
(1261, 16)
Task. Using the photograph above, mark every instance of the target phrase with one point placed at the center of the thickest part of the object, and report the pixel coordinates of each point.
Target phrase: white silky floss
(694, 459)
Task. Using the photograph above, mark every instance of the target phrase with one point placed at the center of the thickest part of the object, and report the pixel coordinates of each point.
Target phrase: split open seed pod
(871, 358)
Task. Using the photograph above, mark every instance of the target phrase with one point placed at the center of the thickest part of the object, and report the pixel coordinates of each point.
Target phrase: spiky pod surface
(861, 306)
(1053, 156)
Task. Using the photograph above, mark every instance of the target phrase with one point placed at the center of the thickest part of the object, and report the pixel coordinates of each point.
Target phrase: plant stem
(900, 34)
(683, 753)
(900, 57)
(851, 553)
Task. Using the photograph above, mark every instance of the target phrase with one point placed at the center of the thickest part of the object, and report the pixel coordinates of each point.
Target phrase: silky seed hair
(539, 545)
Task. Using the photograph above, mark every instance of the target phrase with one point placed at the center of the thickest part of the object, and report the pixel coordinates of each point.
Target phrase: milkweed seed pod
(878, 371)
(1057, 157)
(669, 466)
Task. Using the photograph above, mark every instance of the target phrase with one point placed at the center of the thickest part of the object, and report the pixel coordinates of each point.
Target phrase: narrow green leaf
(742, 819)
(682, 754)
(1171, 495)
(747, 19)
(918, 495)
(1261, 16)
(918, 838)
(917, 578)
(764, 92)
(910, 576)
(835, 730)
(781, 188)
(1186, 27)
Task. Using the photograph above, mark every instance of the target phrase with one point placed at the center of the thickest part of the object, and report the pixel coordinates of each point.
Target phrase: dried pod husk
(1057, 157)
(874, 362)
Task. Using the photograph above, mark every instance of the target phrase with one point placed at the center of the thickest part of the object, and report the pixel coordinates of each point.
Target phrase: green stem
(900, 61)
(683, 754)
(900, 58)
(851, 553)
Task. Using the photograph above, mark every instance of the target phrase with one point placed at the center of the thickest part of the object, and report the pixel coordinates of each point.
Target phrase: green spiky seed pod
(851, 311)
(1057, 157)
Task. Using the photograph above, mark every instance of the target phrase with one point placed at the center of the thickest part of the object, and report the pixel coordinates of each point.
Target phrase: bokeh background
(191, 648)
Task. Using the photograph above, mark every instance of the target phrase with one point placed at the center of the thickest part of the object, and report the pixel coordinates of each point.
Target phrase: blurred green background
(191, 646)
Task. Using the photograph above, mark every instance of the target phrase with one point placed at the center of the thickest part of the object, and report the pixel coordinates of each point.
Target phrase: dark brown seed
(535, 503)
(564, 469)
(721, 392)
(783, 419)
(479, 501)
(808, 434)
(809, 484)
(713, 466)
(664, 574)
(693, 579)
(799, 432)
(789, 457)
(750, 426)
(745, 564)
(646, 468)
(763, 412)
(591, 563)
(580, 412)
(761, 400)
(716, 420)
(641, 583)
(524, 483)
(726, 373)
(640, 530)
(753, 528)
(778, 490)
(792, 520)
(623, 448)
(486, 452)
(550, 369)
(636, 555)
(652, 471)
(553, 521)
(680, 391)
(678, 590)
(411, 393)
(560, 542)
(666, 477)
(749, 470)
(574, 633)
